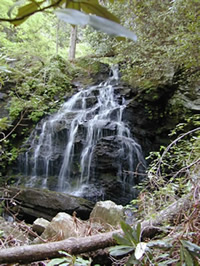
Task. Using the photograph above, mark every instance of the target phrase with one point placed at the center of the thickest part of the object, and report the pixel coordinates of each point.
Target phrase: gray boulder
(107, 212)
(61, 227)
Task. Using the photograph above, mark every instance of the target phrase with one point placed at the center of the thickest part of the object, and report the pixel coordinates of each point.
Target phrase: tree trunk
(57, 36)
(80, 245)
(73, 39)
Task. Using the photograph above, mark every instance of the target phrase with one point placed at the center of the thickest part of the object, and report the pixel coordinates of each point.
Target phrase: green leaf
(196, 261)
(191, 247)
(25, 11)
(1, 81)
(82, 262)
(18, 3)
(187, 257)
(65, 253)
(4, 69)
(55, 262)
(128, 233)
(163, 244)
(120, 250)
(92, 7)
(72, 16)
(168, 262)
(1, 233)
(4, 123)
(132, 261)
(137, 232)
(111, 27)
(121, 240)
(76, 17)
(73, 5)
(98, 10)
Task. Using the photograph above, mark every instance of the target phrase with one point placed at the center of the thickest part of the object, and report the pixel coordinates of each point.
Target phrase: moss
(89, 65)
(87, 69)
(52, 182)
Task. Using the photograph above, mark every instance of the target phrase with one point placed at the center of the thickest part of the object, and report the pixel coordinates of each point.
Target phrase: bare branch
(170, 145)
(18, 123)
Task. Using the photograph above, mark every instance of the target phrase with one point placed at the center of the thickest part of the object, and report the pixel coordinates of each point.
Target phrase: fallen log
(25, 254)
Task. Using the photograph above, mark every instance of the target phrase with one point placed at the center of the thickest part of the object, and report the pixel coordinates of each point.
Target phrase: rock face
(37, 203)
(85, 148)
(152, 115)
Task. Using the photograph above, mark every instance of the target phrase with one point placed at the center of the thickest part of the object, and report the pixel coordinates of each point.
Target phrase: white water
(96, 120)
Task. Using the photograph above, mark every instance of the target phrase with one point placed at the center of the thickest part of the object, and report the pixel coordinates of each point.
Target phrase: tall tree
(73, 40)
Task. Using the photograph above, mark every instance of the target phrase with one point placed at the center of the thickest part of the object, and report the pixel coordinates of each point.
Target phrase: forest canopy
(167, 33)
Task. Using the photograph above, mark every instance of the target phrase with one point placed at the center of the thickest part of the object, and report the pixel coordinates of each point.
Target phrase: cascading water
(65, 149)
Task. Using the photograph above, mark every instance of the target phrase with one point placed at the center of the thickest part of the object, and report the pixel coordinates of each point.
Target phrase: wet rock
(112, 152)
(38, 203)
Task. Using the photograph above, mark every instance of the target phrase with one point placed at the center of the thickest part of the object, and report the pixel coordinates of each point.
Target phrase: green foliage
(128, 242)
(165, 32)
(69, 260)
(153, 252)
(39, 90)
(101, 43)
(168, 41)
(92, 14)
(8, 154)
(4, 123)
(4, 69)
(33, 42)
(39, 94)
(97, 22)
(171, 172)
(91, 7)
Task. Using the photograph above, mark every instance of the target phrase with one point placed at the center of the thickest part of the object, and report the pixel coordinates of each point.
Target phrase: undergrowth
(173, 174)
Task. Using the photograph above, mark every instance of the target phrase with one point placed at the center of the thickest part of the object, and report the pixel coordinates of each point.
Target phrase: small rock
(39, 225)
(61, 227)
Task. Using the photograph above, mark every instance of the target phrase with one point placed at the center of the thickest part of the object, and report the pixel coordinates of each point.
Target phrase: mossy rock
(90, 71)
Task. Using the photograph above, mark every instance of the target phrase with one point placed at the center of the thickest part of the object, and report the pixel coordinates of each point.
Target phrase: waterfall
(64, 149)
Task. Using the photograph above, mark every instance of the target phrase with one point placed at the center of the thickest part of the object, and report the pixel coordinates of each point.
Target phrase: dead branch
(169, 147)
